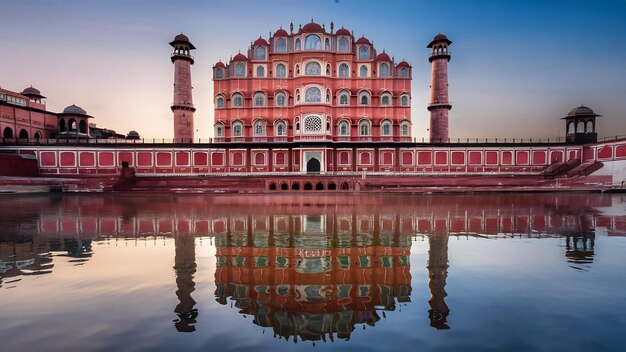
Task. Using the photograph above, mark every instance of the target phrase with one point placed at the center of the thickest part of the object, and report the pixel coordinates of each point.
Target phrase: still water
(316, 272)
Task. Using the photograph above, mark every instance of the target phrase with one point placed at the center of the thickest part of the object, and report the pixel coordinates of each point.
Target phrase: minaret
(185, 268)
(439, 104)
(182, 105)
(437, 275)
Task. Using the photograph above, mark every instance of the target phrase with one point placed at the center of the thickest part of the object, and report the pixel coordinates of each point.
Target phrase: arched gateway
(313, 166)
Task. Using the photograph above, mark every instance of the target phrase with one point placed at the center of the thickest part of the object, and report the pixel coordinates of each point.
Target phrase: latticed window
(298, 44)
(364, 128)
(259, 53)
(237, 129)
(404, 100)
(238, 101)
(386, 129)
(281, 71)
(363, 71)
(219, 131)
(259, 99)
(240, 69)
(404, 129)
(343, 128)
(280, 99)
(259, 128)
(343, 99)
(344, 70)
(364, 53)
(312, 69)
(281, 45)
(385, 100)
(313, 124)
(260, 71)
(220, 102)
(280, 129)
(384, 70)
(404, 73)
(313, 95)
(219, 73)
(344, 44)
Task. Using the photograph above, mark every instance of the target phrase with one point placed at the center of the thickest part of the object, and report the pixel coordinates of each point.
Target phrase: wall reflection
(310, 268)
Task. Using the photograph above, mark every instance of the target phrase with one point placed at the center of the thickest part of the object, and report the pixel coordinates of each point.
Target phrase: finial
(352, 33)
(324, 27)
(311, 19)
(300, 26)
(332, 27)
(291, 27)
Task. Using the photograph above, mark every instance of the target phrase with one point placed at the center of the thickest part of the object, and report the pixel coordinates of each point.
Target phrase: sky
(517, 66)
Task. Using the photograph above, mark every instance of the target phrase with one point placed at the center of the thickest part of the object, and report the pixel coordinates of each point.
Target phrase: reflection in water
(437, 275)
(185, 268)
(311, 268)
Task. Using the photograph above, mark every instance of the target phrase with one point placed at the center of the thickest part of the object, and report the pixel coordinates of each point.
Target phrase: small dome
(581, 111)
(219, 64)
(363, 40)
(133, 134)
(403, 64)
(281, 33)
(31, 91)
(312, 27)
(240, 57)
(383, 57)
(181, 38)
(74, 110)
(343, 31)
(260, 41)
(440, 37)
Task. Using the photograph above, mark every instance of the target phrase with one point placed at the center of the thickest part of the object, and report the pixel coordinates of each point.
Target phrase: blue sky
(517, 66)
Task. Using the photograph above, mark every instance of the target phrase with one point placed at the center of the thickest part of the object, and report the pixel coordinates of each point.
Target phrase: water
(271, 273)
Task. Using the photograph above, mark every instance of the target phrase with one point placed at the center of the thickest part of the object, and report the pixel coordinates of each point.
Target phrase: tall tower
(439, 104)
(185, 268)
(182, 105)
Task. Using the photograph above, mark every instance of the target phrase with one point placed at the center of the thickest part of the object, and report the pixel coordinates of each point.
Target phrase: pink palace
(309, 109)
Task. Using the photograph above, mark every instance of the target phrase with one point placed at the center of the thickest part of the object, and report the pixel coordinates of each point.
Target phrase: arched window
(328, 95)
(23, 134)
(589, 128)
(344, 98)
(82, 126)
(280, 45)
(237, 129)
(404, 100)
(219, 130)
(237, 101)
(298, 95)
(570, 127)
(62, 127)
(312, 68)
(312, 42)
(281, 129)
(298, 45)
(580, 127)
(259, 128)
(327, 69)
(260, 71)
(259, 99)
(364, 128)
(327, 44)
(281, 71)
(363, 71)
(344, 70)
(404, 129)
(384, 70)
(8, 132)
(313, 95)
(364, 98)
(72, 125)
(313, 123)
(220, 102)
(385, 99)
(386, 128)
(219, 73)
(240, 69)
(344, 128)
(404, 73)
(344, 45)
(259, 53)
(280, 99)
(37, 135)
(364, 52)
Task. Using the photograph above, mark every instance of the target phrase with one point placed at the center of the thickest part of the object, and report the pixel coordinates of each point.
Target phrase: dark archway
(8, 133)
(62, 127)
(82, 126)
(345, 186)
(23, 134)
(332, 186)
(295, 186)
(37, 135)
(319, 186)
(71, 125)
(284, 187)
(272, 186)
(308, 186)
(313, 165)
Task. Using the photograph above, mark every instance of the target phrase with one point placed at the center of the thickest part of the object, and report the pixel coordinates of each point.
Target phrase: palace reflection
(309, 268)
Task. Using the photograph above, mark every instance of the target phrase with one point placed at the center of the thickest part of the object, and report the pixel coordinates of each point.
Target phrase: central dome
(312, 28)
(581, 111)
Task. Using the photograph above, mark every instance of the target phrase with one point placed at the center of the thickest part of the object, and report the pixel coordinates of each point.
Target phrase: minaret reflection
(185, 268)
(437, 274)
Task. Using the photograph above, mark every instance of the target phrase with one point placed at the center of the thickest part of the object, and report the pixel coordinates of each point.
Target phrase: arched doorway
(8, 133)
(319, 186)
(37, 135)
(23, 134)
(332, 186)
(295, 186)
(313, 165)
(284, 187)
(308, 186)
